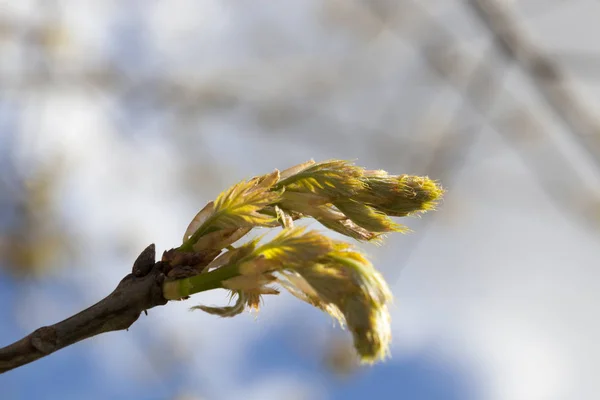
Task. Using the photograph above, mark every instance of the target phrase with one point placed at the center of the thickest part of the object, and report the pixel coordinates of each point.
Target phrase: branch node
(44, 339)
(145, 261)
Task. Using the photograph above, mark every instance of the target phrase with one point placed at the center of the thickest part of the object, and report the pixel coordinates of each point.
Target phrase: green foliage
(237, 207)
(329, 274)
(331, 179)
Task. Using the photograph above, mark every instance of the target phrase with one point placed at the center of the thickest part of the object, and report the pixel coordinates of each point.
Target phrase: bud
(347, 286)
(325, 273)
(331, 179)
(237, 207)
(400, 196)
(367, 217)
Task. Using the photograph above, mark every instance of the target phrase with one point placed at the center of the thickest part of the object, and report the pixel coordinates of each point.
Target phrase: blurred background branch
(548, 77)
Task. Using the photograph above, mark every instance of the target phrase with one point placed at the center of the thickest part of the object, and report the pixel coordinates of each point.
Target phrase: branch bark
(137, 292)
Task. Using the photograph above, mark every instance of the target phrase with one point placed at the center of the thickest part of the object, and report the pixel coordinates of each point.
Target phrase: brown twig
(118, 311)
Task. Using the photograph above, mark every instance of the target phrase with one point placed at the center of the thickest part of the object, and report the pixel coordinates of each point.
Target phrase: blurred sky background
(119, 120)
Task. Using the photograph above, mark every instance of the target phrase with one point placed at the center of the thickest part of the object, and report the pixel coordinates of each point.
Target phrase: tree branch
(547, 76)
(137, 292)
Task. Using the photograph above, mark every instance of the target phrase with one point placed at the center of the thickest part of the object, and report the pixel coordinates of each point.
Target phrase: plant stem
(174, 290)
(117, 311)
